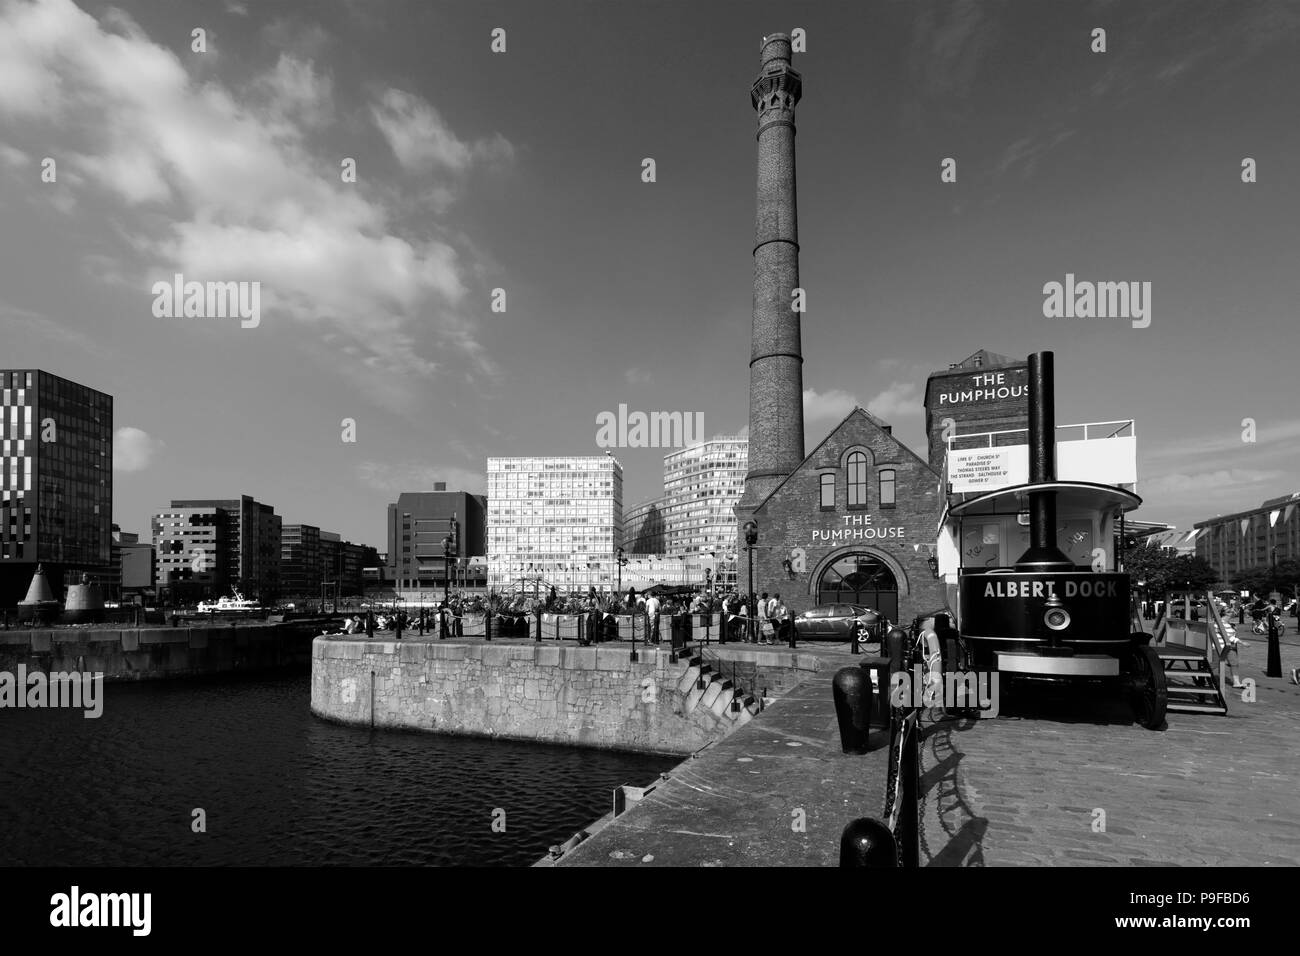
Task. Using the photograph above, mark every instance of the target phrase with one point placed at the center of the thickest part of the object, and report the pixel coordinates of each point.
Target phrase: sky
(522, 171)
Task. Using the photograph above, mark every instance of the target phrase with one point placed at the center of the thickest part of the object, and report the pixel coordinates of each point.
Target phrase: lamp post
(621, 562)
(751, 539)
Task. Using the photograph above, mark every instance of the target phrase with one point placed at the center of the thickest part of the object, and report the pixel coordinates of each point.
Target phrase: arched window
(857, 479)
(887, 488)
(828, 493)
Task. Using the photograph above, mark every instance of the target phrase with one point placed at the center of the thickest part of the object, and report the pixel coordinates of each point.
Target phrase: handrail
(1122, 423)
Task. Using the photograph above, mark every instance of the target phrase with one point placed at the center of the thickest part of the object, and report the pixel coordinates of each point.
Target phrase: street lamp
(450, 546)
(751, 539)
(621, 562)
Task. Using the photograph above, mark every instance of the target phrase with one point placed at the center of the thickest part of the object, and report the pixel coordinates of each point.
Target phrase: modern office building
(132, 569)
(417, 524)
(555, 520)
(56, 481)
(192, 553)
(1260, 537)
(644, 528)
(702, 484)
(209, 545)
(300, 560)
(315, 562)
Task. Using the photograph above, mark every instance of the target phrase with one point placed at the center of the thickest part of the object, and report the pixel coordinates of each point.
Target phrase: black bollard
(866, 841)
(893, 648)
(851, 689)
(1274, 650)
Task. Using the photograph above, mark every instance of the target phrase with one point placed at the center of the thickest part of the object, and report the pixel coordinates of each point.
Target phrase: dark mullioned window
(857, 480)
(887, 488)
(828, 493)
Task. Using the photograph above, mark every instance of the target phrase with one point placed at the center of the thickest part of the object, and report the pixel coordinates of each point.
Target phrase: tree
(1163, 569)
(1263, 578)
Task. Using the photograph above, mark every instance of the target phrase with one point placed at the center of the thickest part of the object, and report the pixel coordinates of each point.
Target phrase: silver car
(841, 622)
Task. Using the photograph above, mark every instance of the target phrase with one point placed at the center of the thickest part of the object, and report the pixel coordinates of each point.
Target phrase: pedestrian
(779, 615)
(764, 625)
(652, 619)
(1228, 654)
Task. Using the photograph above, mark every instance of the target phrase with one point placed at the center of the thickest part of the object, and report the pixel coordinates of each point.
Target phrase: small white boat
(238, 604)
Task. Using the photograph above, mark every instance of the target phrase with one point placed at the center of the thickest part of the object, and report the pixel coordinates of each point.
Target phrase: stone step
(711, 693)
(693, 698)
(688, 679)
(722, 706)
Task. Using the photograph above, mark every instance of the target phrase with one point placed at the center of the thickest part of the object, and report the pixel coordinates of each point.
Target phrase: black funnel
(1043, 554)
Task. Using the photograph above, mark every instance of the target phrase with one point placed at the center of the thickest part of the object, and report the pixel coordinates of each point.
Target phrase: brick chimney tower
(776, 359)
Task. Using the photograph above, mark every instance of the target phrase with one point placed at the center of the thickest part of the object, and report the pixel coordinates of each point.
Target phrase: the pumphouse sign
(999, 385)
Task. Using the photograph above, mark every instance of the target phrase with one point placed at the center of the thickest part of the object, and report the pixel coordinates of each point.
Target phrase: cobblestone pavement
(1022, 789)
(1206, 791)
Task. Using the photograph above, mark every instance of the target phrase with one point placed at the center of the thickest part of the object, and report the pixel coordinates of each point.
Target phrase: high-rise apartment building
(643, 527)
(559, 520)
(702, 485)
(56, 480)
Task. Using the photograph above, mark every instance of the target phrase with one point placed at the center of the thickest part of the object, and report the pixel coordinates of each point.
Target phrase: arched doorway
(860, 578)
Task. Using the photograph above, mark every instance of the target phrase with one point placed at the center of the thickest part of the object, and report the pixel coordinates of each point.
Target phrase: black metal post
(633, 617)
(1274, 649)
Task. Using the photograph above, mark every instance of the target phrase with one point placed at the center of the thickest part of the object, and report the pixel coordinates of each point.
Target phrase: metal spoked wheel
(861, 634)
(1148, 692)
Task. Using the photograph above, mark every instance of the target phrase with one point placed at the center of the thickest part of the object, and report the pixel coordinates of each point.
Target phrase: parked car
(840, 622)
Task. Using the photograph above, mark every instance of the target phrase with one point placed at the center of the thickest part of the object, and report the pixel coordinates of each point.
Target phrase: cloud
(637, 376)
(13, 157)
(21, 325)
(225, 188)
(133, 449)
(295, 90)
(395, 478)
(898, 400)
(422, 141)
(1028, 151)
(827, 406)
(1222, 481)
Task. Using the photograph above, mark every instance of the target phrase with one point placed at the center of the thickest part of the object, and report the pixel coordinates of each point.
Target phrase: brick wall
(792, 518)
(962, 395)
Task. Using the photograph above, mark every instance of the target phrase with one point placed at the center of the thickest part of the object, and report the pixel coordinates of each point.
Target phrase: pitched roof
(878, 423)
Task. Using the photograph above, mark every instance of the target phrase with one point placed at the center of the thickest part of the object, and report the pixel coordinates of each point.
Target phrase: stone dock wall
(578, 696)
(151, 653)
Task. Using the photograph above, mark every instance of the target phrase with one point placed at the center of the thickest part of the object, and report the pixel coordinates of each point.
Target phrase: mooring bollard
(866, 841)
(893, 648)
(851, 689)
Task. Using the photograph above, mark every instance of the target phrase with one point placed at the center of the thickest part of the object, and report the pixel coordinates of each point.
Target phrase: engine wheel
(1148, 691)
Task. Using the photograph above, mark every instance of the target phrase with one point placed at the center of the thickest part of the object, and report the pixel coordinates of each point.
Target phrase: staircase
(709, 682)
(1193, 685)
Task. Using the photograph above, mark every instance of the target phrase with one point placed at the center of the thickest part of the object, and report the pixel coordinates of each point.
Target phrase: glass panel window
(857, 480)
(887, 488)
(828, 492)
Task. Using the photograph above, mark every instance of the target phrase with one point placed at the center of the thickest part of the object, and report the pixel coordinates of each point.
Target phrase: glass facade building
(558, 521)
(702, 484)
(56, 479)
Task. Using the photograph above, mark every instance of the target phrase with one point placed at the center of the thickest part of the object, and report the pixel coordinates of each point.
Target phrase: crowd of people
(761, 619)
